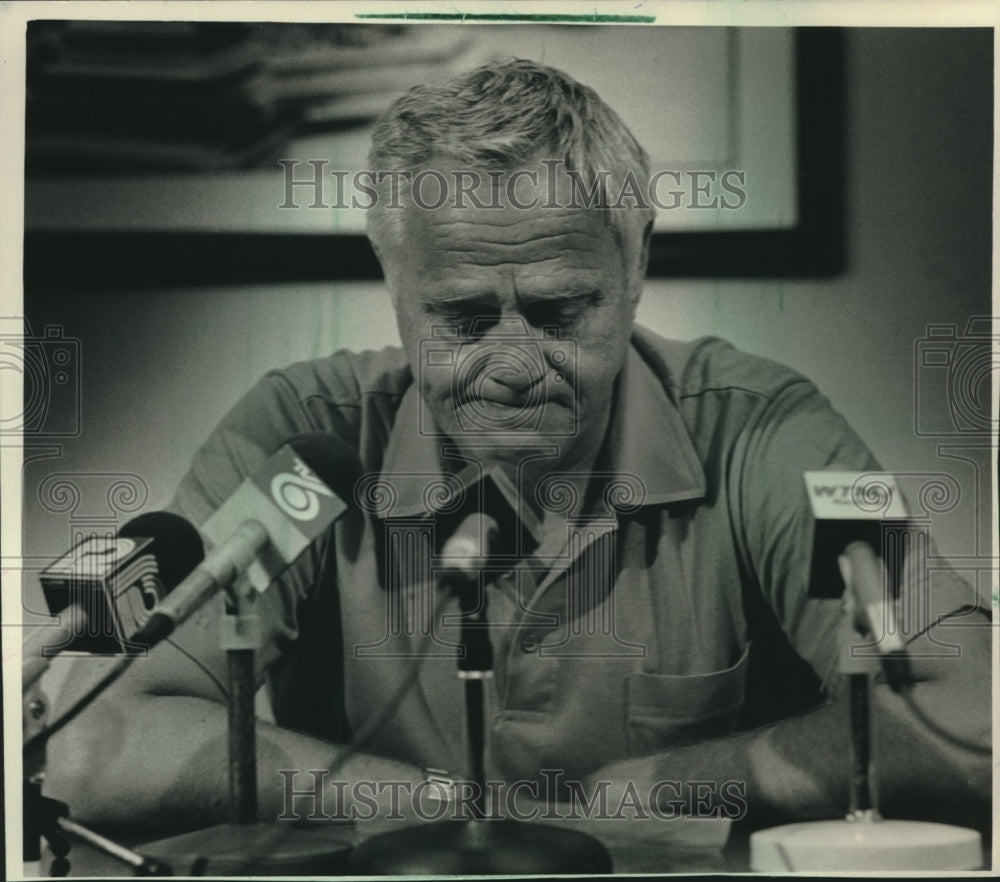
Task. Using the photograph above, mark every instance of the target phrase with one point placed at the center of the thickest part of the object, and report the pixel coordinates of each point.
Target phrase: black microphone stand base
(480, 848)
(276, 849)
(865, 845)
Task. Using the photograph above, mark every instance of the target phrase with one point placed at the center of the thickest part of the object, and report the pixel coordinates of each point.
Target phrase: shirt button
(529, 642)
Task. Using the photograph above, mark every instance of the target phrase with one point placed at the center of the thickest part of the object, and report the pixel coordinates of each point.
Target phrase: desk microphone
(106, 587)
(274, 516)
(849, 508)
(269, 521)
(483, 845)
(846, 555)
(469, 549)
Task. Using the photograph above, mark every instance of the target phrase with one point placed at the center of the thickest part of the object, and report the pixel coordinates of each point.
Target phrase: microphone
(296, 495)
(482, 845)
(261, 529)
(106, 587)
(848, 508)
(465, 553)
(846, 553)
(468, 550)
(271, 519)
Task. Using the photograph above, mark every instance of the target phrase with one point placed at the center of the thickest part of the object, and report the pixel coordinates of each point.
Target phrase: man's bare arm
(161, 760)
(153, 749)
(797, 769)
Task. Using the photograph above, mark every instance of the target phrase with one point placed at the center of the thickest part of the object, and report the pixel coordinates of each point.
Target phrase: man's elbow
(85, 761)
(942, 752)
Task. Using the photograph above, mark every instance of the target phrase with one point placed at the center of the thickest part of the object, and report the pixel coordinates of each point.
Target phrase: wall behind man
(161, 367)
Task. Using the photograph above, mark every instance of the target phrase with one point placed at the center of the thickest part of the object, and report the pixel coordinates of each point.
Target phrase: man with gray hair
(651, 622)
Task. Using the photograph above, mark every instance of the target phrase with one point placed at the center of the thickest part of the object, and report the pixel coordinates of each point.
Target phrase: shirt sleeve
(798, 431)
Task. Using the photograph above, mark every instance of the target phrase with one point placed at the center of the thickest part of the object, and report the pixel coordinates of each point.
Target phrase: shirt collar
(647, 437)
(647, 444)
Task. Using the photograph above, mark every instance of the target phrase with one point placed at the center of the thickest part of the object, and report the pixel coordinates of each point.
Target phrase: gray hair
(504, 114)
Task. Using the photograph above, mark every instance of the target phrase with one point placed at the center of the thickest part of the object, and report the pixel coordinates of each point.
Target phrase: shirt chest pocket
(670, 710)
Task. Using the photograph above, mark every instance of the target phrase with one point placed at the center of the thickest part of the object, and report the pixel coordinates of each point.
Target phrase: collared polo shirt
(669, 607)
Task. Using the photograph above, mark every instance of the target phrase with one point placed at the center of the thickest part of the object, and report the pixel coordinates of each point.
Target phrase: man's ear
(385, 274)
(378, 251)
(642, 261)
(647, 235)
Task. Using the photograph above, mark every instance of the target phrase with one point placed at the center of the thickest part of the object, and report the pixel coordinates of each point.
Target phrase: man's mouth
(493, 392)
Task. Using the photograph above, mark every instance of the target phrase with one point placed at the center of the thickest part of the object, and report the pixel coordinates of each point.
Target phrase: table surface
(635, 847)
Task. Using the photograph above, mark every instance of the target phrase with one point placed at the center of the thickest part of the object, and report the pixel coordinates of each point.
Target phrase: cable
(121, 665)
(376, 723)
(204, 667)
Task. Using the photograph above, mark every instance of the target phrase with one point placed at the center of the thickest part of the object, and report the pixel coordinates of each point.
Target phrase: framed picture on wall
(191, 162)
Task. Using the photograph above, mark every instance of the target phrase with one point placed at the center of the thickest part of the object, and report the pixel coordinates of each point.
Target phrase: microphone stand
(475, 666)
(244, 845)
(863, 840)
(482, 845)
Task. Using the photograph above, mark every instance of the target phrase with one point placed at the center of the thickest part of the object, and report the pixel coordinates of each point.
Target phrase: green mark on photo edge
(539, 18)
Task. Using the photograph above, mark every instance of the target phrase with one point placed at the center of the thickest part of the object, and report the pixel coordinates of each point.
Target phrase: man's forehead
(466, 227)
(513, 201)
(473, 242)
(503, 226)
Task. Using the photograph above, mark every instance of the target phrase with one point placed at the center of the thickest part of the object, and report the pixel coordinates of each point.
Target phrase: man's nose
(517, 370)
(509, 353)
